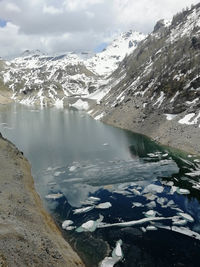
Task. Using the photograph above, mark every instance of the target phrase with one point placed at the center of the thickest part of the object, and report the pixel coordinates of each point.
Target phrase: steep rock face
(159, 82)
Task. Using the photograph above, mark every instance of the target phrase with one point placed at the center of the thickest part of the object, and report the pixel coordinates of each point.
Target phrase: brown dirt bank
(157, 127)
(28, 235)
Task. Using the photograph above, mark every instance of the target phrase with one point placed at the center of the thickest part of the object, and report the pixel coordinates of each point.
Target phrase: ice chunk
(82, 210)
(151, 228)
(179, 222)
(90, 226)
(173, 190)
(152, 188)
(193, 174)
(186, 216)
(186, 231)
(105, 144)
(151, 204)
(182, 191)
(137, 204)
(66, 223)
(150, 196)
(105, 205)
(161, 200)
(135, 192)
(72, 168)
(150, 213)
(117, 255)
(94, 199)
(54, 196)
(58, 173)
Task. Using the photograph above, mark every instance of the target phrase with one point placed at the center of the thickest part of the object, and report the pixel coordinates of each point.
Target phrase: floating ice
(151, 204)
(82, 210)
(105, 205)
(66, 224)
(105, 144)
(72, 168)
(90, 226)
(186, 216)
(150, 213)
(151, 228)
(152, 188)
(136, 192)
(58, 173)
(186, 231)
(131, 223)
(193, 174)
(117, 255)
(150, 196)
(137, 205)
(179, 222)
(54, 196)
(161, 200)
(182, 191)
(173, 190)
(95, 199)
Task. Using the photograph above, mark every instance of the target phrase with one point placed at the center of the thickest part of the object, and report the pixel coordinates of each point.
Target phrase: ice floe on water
(105, 205)
(137, 205)
(150, 213)
(90, 226)
(153, 188)
(67, 223)
(117, 255)
(82, 210)
(54, 196)
(186, 217)
(182, 191)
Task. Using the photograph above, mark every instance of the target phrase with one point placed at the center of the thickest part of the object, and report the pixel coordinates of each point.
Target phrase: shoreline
(28, 234)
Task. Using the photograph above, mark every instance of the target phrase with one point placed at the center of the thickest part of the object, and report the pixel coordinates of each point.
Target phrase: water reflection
(101, 178)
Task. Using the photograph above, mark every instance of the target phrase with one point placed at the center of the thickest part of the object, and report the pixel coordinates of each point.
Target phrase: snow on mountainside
(106, 62)
(160, 79)
(37, 78)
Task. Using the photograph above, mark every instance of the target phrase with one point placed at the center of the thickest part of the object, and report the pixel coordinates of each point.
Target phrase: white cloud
(12, 7)
(52, 10)
(53, 25)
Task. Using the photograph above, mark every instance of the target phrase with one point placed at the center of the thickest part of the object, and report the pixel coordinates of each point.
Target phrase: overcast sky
(74, 25)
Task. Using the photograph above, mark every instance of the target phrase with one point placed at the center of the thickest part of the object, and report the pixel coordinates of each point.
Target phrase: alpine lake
(119, 198)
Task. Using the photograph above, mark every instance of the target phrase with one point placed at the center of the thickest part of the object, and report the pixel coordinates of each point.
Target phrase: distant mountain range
(37, 78)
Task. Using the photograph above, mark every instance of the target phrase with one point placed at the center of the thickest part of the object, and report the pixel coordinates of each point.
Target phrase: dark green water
(78, 162)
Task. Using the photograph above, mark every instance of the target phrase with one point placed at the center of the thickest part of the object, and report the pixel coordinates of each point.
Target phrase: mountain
(106, 62)
(157, 87)
(37, 78)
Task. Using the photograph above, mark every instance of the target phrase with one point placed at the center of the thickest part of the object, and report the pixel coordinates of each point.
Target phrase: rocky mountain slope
(36, 78)
(157, 88)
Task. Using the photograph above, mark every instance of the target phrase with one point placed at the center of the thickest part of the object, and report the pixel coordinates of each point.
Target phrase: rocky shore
(154, 124)
(28, 235)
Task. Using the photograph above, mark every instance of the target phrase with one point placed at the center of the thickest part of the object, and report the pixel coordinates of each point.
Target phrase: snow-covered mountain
(106, 62)
(37, 78)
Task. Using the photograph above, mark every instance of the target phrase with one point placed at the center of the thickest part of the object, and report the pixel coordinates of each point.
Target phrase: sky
(55, 26)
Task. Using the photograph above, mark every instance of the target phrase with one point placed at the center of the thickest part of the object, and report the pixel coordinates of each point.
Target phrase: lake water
(121, 195)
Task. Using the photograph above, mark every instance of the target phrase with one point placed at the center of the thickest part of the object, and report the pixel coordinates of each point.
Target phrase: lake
(118, 197)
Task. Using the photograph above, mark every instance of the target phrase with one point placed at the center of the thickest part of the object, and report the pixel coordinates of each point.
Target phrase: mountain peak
(28, 53)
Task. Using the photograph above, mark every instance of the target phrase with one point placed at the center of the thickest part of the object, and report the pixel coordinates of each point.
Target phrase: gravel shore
(28, 235)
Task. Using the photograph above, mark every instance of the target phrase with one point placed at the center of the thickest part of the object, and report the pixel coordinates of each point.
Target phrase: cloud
(54, 26)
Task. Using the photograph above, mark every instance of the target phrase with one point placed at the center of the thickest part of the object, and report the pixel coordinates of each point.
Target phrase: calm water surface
(101, 180)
